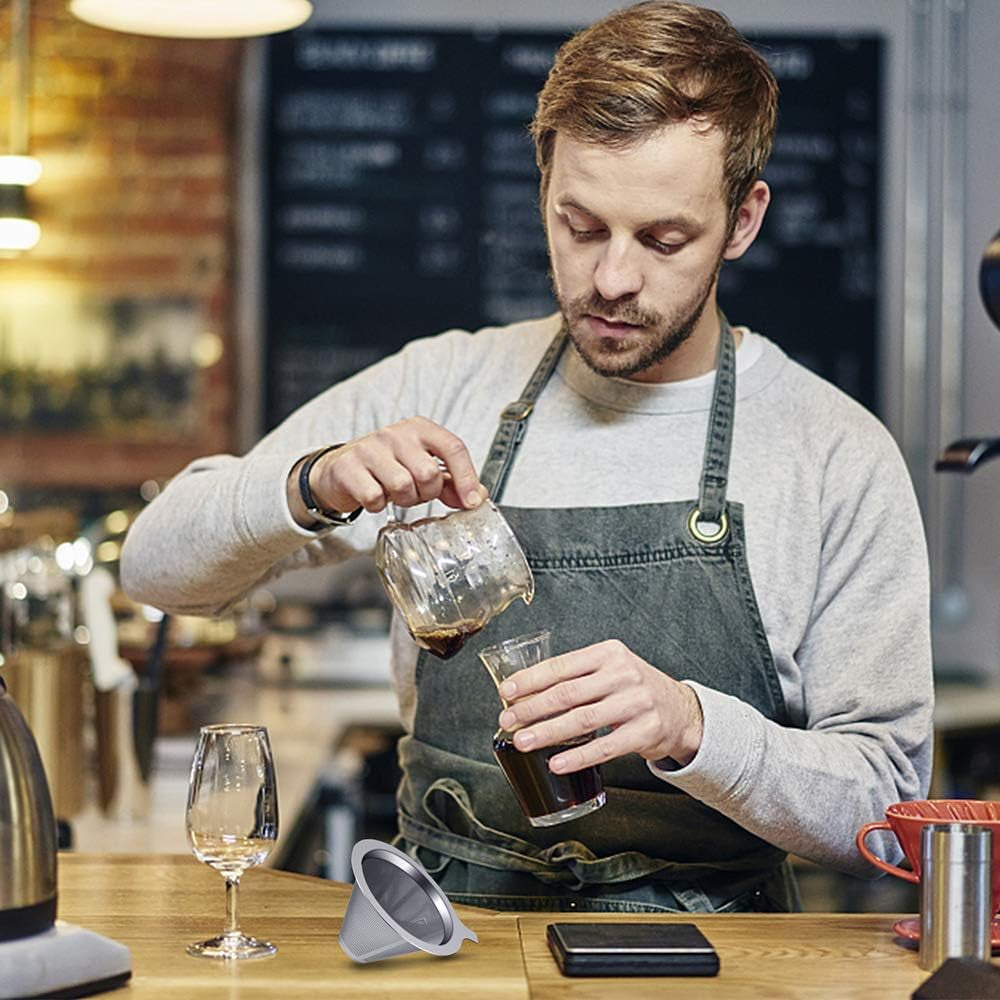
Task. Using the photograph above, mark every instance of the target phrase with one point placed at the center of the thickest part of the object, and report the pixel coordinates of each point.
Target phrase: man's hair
(654, 64)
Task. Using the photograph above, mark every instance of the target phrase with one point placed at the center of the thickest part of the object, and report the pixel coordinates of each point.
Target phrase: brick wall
(137, 139)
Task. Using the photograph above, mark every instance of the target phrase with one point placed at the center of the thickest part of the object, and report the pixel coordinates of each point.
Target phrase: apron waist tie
(568, 862)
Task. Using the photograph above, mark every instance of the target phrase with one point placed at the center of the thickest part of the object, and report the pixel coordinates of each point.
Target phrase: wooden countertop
(158, 904)
(819, 956)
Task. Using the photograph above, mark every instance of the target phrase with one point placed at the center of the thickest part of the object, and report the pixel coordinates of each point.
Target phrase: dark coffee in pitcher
(444, 641)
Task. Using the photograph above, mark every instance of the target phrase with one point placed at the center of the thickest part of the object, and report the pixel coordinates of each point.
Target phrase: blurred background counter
(115, 694)
(321, 738)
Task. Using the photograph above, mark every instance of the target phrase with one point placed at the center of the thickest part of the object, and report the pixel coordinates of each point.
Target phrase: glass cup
(232, 821)
(546, 798)
(448, 576)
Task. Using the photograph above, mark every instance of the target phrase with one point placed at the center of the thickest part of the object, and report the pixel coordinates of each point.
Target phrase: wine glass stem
(232, 916)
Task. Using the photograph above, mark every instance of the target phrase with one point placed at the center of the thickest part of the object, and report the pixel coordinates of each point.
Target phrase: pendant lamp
(193, 18)
(17, 170)
(17, 230)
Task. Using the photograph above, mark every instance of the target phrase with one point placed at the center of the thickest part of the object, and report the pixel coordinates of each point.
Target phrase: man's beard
(624, 357)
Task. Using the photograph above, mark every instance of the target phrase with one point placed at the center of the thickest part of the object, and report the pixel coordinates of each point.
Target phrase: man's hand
(407, 463)
(606, 684)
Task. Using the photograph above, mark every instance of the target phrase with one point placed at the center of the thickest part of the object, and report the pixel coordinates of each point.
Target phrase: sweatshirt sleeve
(222, 526)
(865, 663)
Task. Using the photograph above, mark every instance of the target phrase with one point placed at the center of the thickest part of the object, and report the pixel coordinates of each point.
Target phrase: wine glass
(232, 821)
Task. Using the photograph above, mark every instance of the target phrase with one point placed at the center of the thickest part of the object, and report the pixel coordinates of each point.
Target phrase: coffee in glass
(546, 798)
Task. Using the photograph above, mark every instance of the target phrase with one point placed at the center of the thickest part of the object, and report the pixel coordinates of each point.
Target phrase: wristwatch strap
(326, 518)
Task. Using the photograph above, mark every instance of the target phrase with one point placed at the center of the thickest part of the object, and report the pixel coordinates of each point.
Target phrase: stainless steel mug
(956, 918)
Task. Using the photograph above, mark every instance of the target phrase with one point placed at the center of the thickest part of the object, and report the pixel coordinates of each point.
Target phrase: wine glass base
(232, 946)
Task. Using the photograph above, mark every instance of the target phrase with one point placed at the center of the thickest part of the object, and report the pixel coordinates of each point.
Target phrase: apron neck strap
(514, 420)
(719, 438)
(715, 465)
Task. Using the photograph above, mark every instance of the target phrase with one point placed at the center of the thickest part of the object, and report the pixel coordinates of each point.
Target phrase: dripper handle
(859, 840)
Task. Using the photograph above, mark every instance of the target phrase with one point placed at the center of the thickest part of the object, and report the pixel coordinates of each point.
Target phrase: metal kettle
(27, 830)
(27, 820)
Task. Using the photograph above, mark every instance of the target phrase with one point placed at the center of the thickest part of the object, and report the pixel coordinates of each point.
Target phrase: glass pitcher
(448, 576)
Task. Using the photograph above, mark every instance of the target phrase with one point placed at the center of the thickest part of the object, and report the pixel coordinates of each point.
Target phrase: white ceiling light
(23, 170)
(18, 231)
(18, 234)
(194, 18)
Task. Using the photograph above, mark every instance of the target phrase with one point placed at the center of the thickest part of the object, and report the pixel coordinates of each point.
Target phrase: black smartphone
(631, 949)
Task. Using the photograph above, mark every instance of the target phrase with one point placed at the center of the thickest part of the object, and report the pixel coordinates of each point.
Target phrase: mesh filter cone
(396, 907)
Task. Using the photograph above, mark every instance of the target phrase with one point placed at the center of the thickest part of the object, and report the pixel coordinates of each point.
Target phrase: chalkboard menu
(811, 279)
(402, 199)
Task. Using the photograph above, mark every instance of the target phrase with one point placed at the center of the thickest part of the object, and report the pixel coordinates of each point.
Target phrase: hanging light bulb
(23, 170)
(17, 230)
(18, 233)
(194, 18)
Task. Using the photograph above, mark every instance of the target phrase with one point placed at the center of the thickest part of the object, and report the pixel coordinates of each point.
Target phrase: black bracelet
(326, 518)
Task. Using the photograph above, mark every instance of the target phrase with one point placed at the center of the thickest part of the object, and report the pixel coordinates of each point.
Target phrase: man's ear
(749, 217)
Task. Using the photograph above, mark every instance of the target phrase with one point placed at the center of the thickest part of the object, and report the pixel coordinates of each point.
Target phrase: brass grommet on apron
(705, 537)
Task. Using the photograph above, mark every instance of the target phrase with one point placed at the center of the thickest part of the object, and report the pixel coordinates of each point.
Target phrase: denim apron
(671, 581)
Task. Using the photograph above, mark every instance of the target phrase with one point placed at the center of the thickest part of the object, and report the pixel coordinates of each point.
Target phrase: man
(726, 548)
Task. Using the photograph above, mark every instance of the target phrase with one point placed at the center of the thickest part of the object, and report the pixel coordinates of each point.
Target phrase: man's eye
(582, 235)
(664, 248)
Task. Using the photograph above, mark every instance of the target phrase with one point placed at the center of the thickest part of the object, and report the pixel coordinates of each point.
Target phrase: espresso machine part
(989, 279)
(967, 454)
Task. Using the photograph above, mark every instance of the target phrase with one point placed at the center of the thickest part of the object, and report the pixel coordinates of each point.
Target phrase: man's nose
(618, 271)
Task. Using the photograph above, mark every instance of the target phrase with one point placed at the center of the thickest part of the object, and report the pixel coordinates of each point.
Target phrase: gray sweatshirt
(834, 542)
